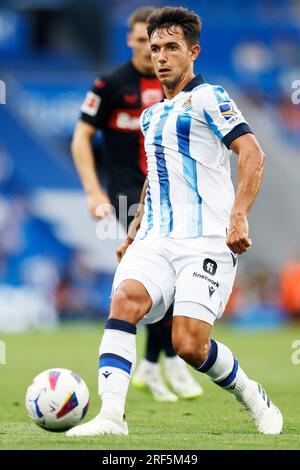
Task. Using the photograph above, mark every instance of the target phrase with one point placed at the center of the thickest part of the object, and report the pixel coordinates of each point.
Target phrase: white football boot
(265, 414)
(148, 378)
(99, 427)
(180, 379)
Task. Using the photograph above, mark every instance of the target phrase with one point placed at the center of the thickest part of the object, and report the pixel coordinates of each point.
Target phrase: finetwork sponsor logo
(210, 266)
(205, 278)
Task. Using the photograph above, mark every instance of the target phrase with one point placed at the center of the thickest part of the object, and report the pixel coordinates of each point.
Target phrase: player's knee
(125, 308)
(192, 352)
(122, 305)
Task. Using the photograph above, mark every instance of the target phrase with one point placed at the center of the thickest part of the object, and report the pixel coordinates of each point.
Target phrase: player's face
(172, 56)
(138, 41)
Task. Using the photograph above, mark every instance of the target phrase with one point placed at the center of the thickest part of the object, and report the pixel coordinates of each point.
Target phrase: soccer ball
(57, 399)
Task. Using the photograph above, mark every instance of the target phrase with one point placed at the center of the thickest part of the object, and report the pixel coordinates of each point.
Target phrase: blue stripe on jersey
(212, 125)
(146, 124)
(166, 212)
(183, 127)
(149, 213)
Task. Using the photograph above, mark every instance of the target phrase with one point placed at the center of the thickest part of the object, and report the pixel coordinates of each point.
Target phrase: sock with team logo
(117, 358)
(224, 370)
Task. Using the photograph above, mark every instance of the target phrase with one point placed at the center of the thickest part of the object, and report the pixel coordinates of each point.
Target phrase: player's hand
(121, 250)
(238, 240)
(99, 205)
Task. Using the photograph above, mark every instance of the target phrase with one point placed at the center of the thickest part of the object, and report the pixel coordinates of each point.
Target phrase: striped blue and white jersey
(190, 192)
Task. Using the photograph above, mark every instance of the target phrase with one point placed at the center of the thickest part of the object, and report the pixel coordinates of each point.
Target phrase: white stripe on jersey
(190, 192)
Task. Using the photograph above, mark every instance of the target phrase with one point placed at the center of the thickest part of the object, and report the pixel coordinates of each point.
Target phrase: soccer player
(114, 105)
(191, 233)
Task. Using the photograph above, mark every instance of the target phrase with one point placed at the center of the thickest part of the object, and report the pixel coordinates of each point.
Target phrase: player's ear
(195, 51)
(129, 40)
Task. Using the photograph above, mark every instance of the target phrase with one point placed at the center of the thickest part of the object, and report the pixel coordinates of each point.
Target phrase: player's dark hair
(168, 17)
(139, 15)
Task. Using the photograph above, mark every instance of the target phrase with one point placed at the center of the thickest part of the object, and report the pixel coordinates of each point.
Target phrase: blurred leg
(148, 376)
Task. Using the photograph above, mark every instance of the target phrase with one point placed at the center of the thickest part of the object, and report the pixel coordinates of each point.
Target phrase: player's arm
(82, 152)
(95, 112)
(250, 175)
(228, 124)
(135, 224)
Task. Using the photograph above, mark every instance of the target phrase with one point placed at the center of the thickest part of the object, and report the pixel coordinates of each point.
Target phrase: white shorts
(192, 273)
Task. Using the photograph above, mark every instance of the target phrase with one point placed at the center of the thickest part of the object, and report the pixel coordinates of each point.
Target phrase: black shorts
(126, 204)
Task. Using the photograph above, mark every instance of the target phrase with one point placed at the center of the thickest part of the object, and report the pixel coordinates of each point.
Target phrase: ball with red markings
(57, 399)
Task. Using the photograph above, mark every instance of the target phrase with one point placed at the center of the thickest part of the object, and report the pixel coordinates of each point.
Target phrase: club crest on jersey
(187, 105)
(91, 104)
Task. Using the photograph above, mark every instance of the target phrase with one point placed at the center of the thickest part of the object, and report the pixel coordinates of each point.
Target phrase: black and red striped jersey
(114, 105)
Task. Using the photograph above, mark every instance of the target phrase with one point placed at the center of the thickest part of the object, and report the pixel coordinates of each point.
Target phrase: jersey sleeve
(97, 105)
(223, 116)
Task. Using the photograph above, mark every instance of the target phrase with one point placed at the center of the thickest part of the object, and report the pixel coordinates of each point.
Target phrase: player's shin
(224, 370)
(117, 358)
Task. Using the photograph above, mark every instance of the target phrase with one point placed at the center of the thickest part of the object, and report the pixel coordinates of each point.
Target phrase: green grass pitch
(216, 421)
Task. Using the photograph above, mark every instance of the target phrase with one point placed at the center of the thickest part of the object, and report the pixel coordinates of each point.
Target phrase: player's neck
(141, 69)
(172, 91)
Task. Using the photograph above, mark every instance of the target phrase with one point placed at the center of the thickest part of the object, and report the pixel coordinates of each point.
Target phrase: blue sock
(224, 370)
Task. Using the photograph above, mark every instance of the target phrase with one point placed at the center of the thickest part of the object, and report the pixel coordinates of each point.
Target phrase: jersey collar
(198, 80)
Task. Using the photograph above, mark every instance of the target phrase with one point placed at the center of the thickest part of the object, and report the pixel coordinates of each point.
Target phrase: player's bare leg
(191, 340)
(117, 359)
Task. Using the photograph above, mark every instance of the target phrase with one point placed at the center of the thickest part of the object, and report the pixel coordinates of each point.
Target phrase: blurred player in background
(193, 228)
(114, 105)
